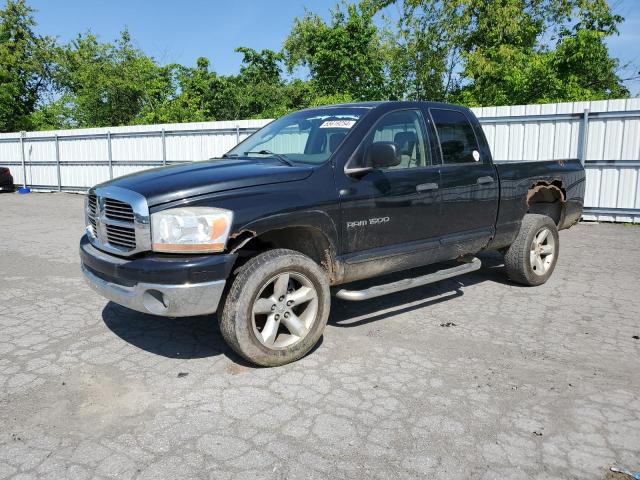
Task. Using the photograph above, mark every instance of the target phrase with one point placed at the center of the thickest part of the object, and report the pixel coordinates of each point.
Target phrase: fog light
(154, 302)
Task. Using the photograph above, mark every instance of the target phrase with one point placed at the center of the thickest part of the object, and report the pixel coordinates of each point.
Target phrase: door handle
(423, 187)
(483, 180)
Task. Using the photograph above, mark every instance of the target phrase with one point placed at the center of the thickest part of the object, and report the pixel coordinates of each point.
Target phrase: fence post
(164, 148)
(110, 156)
(584, 128)
(237, 134)
(58, 164)
(24, 166)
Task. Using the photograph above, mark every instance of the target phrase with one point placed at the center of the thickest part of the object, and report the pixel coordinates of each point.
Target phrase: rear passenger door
(468, 182)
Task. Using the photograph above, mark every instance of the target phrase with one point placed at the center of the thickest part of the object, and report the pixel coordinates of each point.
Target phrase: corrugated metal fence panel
(613, 162)
(611, 153)
(528, 139)
(611, 149)
(614, 186)
(93, 155)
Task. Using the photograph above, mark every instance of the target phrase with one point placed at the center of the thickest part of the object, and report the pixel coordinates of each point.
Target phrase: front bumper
(167, 285)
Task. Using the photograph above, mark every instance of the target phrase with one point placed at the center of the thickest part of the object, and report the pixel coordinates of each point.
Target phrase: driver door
(395, 210)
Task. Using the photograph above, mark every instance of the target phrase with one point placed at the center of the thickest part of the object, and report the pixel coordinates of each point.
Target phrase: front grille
(121, 236)
(118, 221)
(117, 210)
(92, 213)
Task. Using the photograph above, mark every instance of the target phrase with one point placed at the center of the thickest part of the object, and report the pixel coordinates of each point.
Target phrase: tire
(276, 308)
(530, 253)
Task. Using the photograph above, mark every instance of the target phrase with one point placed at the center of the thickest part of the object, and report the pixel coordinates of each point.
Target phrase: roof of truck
(391, 103)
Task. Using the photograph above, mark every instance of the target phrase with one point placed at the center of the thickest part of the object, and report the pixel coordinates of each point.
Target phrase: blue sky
(173, 31)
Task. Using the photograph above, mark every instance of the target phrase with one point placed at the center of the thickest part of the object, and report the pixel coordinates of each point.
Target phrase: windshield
(309, 136)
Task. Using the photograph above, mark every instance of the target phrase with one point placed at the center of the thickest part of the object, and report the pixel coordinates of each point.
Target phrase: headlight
(191, 230)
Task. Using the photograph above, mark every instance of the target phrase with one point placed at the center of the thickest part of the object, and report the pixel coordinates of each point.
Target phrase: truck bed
(517, 180)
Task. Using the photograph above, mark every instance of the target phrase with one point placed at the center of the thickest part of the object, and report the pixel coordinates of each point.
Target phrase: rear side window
(457, 140)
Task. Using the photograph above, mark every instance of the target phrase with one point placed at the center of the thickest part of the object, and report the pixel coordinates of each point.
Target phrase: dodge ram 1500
(314, 201)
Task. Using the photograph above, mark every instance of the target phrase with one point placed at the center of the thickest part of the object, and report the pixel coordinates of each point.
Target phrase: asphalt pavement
(471, 378)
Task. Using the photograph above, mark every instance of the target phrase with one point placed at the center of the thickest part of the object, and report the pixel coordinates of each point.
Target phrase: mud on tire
(275, 283)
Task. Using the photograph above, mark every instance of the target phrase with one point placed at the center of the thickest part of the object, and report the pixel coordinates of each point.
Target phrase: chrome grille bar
(118, 220)
(118, 210)
(92, 212)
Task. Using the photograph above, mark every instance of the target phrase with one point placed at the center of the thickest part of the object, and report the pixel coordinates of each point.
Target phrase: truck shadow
(353, 314)
(189, 337)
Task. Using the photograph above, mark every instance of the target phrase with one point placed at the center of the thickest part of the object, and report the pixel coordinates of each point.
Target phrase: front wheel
(277, 308)
(531, 258)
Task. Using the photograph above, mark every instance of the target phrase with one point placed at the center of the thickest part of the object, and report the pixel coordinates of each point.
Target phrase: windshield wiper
(279, 156)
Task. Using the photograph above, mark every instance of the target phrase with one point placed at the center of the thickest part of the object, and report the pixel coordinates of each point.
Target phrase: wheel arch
(312, 233)
(547, 198)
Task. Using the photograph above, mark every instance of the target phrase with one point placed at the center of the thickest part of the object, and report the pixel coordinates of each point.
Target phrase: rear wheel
(532, 257)
(277, 308)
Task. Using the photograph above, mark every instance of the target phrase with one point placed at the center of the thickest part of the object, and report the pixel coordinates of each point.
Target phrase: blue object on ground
(634, 475)
(24, 190)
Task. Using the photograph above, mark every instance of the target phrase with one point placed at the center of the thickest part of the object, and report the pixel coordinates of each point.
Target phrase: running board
(406, 283)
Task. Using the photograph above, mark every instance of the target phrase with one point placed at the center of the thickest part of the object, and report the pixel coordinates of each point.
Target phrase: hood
(175, 182)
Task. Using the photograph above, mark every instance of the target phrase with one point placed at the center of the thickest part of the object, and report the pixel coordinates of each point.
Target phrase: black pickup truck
(314, 201)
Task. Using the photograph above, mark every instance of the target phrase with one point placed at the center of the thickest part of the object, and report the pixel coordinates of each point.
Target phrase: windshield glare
(309, 136)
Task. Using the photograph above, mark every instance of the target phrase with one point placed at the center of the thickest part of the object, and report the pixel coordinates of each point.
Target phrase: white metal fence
(605, 135)
(74, 160)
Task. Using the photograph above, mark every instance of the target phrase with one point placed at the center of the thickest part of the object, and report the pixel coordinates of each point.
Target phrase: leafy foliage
(475, 52)
(25, 62)
(344, 56)
(108, 84)
(423, 49)
(508, 61)
(481, 52)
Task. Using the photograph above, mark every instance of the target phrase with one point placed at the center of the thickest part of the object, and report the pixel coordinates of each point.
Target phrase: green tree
(499, 52)
(261, 67)
(109, 84)
(507, 59)
(581, 58)
(25, 62)
(343, 56)
(260, 87)
(189, 97)
(54, 114)
(258, 91)
(422, 49)
(476, 52)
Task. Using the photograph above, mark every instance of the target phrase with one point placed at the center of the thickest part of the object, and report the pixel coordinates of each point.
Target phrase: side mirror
(376, 155)
(381, 155)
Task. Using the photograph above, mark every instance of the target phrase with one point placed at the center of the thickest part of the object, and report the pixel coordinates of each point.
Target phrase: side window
(457, 140)
(404, 128)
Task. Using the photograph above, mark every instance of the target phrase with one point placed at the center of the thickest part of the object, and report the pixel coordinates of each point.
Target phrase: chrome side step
(406, 283)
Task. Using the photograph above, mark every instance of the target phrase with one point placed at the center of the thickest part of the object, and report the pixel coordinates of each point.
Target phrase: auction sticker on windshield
(338, 124)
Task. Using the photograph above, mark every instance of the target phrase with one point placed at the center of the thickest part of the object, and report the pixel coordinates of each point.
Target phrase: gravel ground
(473, 377)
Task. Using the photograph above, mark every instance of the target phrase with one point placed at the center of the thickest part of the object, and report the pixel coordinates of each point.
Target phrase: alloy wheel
(543, 248)
(284, 310)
